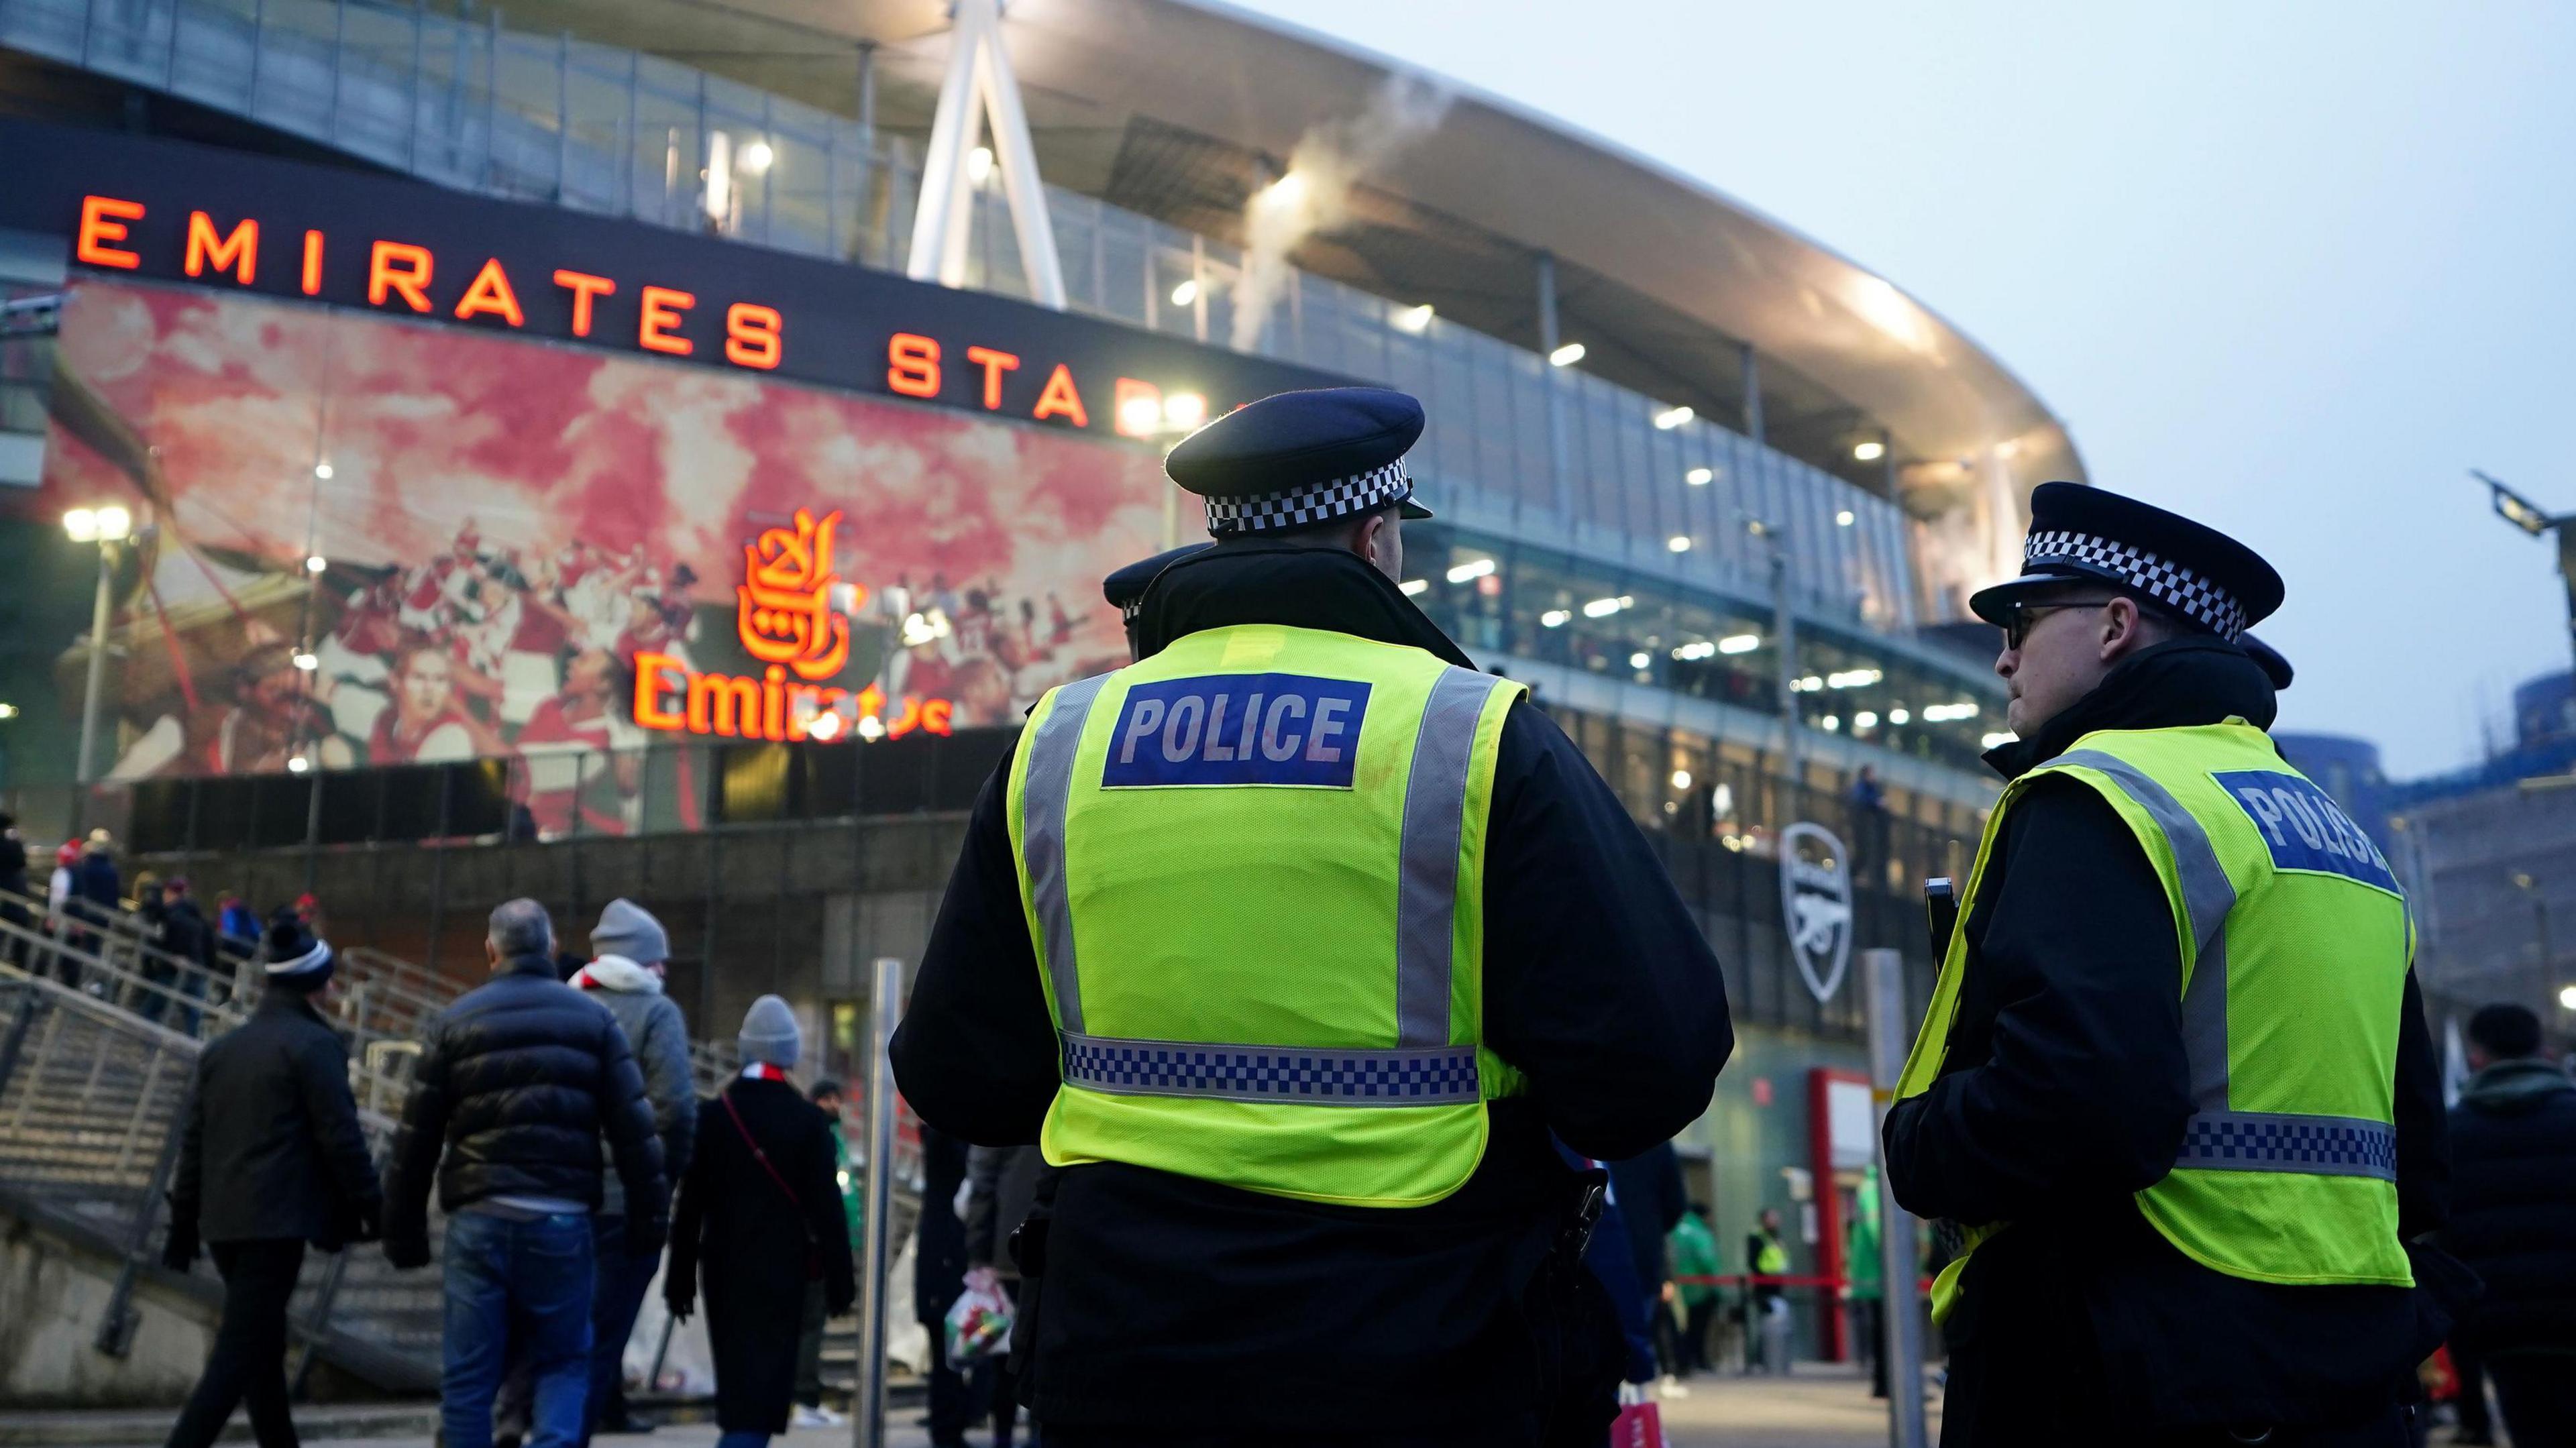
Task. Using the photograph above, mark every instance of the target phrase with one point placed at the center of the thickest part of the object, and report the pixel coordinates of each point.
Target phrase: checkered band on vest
(1352, 1078)
(2195, 597)
(2360, 1148)
(1311, 502)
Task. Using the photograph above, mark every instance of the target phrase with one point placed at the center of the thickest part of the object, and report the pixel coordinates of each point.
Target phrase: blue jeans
(529, 1281)
(742, 1438)
(617, 1295)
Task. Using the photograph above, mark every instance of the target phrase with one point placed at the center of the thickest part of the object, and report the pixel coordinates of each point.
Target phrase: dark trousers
(1003, 1385)
(951, 1405)
(2471, 1369)
(1869, 1335)
(809, 1348)
(2537, 1396)
(1701, 1316)
(248, 1361)
(619, 1280)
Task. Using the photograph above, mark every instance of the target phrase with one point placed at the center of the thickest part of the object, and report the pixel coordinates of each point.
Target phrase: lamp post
(2539, 928)
(107, 527)
(2538, 521)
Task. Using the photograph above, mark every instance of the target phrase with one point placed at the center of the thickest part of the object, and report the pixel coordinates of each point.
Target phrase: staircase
(99, 1036)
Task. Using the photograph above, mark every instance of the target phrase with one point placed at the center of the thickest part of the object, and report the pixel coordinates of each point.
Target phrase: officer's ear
(1380, 540)
(2126, 628)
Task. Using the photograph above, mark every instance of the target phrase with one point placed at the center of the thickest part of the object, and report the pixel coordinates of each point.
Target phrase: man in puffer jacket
(516, 1082)
(630, 953)
(2513, 1219)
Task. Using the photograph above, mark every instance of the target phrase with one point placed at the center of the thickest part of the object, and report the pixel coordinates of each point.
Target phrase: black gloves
(407, 1251)
(180, 1251)
(677, 1296)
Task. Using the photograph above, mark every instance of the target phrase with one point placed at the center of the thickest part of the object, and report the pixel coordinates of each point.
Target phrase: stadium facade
(568, 425)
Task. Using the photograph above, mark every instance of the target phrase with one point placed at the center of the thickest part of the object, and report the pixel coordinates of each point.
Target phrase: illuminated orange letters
(752, 335)
(1061, 398)
(785, 613)
(912, 365)
(650, 711)
(584, 287)
(102, 221)
(237, 253)
(398, 267)
(312, 263)
(662, 309)
(490, 295)
(994, 365)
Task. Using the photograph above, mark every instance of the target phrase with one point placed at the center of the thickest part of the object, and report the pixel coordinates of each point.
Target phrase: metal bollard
(867, 1410)
(1890, 1035)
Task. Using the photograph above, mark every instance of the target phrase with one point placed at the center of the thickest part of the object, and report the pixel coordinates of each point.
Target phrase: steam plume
(1315, 195)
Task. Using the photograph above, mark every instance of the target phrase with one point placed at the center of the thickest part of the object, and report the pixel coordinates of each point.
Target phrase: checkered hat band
(2186, 592)
(1311, 503)
(1401, 1076)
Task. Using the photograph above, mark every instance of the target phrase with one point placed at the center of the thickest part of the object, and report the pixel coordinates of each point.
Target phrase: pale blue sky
(2288, 268)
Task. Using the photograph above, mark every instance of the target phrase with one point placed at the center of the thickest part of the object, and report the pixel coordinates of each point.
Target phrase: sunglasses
(2018, 617)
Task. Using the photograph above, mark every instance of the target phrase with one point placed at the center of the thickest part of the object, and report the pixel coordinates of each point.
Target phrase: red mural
(378, 542)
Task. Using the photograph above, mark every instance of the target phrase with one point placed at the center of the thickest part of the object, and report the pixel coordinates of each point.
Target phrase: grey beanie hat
(628, 929)
(769, 1034)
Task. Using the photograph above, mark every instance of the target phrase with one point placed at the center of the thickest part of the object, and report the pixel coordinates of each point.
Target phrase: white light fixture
(1473, 569)
(1808, 685)
(1185, 294)
(1994, 741)
(1864, 720)
(1413, 586)
(1852, 678)
(1413, 321)
(81, 524)
(1554, 618)
(825, 726)
(2566, 993)
(979, 165)
(1694, 651)
(1739, 643)
(1944, 713)
(1640, 659)
(1566, 356)
(1843, 519)
(870, 728)
(755, 158)
(1681, 779)
(298, 764)
(113, 523)
(1673, 417)
(307, 660)
(1679, 543)
(1604, 607)
(1185, 410)
(1870, 452)
(322, 471)
(1287, 191)
(1899, 716)
(1700, 477)
(8, 711)
(316, 564)
(1140, 415)
(1830, 724)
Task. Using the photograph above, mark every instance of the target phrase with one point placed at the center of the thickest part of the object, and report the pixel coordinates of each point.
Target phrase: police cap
(2199, 574)
(1125, 589)
(1295, 459)
(2275, 666)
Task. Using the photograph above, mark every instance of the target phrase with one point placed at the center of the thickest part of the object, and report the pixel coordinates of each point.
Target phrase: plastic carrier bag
(979, 1325)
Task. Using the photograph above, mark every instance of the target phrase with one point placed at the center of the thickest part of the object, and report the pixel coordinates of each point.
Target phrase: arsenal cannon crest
(1816, 901)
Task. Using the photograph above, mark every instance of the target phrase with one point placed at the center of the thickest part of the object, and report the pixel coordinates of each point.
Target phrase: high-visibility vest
(2295, 943)
(1253, 870)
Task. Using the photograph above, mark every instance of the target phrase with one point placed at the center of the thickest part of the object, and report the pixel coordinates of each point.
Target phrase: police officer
(1290, 944)
(2175, 1083)
(1125, 589)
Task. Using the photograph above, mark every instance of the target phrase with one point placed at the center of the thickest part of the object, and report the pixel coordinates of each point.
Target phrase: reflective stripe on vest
(2218, 1139)
(1423, 1069)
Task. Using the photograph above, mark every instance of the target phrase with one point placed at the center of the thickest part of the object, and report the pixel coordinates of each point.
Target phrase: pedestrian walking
(13, 890)
(939, 1278)
(271, 1160)
(1652, 1200)
(516, 1083)
(630, 953)
(1766, 1315)
(1292, 941)
(1694, 1256)
(1865, 1280)
(1001, 1189)
(59, 913)
(2175, 1090)
(2513, 1221)
(759, 1216)
(810, 1409)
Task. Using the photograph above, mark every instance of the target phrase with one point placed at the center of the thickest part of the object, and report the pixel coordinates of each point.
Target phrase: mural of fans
(365, 544)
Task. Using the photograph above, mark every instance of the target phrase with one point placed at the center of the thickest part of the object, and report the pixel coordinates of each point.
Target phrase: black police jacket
(272, 1147)
(517, 1081)
(2064, 1091)
(1166, 1301)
